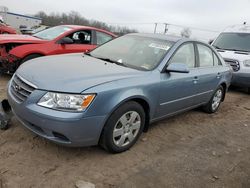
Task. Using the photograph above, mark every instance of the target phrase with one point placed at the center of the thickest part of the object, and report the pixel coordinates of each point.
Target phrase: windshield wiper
(239, 50)
(109, 60)
(37, 37)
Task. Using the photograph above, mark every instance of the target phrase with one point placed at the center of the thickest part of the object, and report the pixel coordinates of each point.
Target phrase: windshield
(134, 51)
(52, 33)
(233, 41)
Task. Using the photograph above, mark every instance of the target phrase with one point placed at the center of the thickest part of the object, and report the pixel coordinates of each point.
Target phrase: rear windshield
(233, 41)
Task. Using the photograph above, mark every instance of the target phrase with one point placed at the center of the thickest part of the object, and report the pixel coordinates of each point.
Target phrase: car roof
(158, 36)
(237, 29)
(88, 27)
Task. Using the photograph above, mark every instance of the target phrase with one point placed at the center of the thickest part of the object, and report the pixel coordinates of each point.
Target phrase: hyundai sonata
(110, 95)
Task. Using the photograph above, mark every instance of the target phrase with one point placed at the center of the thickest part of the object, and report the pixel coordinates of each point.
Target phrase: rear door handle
(196, 79)
(218, 75)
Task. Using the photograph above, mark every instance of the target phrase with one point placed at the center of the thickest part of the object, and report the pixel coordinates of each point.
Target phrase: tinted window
(233, 41)
(134, 51)
(102, 38)
(185, 54)
(205, 55)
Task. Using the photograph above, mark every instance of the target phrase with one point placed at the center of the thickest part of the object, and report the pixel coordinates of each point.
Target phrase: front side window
(186, 55)
(139, 52)
(81, 37)
(205, 56)
(102, 38)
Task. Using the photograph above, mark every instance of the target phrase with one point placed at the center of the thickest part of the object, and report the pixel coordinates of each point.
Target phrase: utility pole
(155, 27)
(166, 28)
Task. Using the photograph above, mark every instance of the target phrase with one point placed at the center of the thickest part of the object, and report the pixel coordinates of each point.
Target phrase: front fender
(27, 49)
(108, 100)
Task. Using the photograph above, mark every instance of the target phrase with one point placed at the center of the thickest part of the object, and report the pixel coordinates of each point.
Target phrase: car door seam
(191, 96)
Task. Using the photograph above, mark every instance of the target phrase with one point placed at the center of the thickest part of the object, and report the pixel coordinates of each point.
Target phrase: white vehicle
(234, 46)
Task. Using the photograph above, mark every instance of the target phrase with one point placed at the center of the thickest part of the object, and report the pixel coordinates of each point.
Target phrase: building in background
(16, 20)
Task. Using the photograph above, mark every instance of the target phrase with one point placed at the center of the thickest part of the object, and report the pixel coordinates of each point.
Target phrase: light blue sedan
(110, 95)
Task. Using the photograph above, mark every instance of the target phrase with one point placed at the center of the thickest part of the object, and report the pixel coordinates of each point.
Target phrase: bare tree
(75, 18)
(186, 32)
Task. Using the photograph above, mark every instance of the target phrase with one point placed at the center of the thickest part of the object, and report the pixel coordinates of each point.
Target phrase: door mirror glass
(178, 67)
(65, 40)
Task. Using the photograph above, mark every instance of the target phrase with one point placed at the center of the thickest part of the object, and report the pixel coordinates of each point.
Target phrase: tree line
(75, 18)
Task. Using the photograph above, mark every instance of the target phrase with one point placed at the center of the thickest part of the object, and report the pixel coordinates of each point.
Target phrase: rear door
(210, 70)
(178, 91)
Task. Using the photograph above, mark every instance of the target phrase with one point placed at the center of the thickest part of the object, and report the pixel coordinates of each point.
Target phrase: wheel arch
(224, 85)
(140, 100)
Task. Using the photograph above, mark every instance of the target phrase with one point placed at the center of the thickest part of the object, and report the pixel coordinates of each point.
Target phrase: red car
(16, 49)
(5, 29)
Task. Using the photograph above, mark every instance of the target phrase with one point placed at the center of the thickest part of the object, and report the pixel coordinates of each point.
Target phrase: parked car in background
(38, 29)
(110, 95)
(33, 30)
(5, 29)
(234, 46)
(17, 49)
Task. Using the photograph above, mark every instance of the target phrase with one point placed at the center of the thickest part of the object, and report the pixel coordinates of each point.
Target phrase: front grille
(234, 64)
(20, 89)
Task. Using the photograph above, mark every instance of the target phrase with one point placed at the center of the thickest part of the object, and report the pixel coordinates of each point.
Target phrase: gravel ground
(193, 149)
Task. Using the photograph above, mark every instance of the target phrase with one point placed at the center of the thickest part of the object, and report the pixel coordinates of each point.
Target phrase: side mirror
(210, 41)
(178, 67)
(65, 40)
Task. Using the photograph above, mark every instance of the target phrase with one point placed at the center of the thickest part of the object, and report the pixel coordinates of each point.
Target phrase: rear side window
(205, 56)
(216, 60)
(185, 54)
(102, 38)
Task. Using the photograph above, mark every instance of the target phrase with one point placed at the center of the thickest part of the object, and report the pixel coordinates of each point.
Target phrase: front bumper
(65, 128)
(241, 79)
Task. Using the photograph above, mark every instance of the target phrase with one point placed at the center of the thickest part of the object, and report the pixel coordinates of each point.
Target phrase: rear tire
(213, 105)
(248, 90)
(123, 128)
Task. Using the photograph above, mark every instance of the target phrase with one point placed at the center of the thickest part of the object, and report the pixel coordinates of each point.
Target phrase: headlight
(246, 63)
(66, 102)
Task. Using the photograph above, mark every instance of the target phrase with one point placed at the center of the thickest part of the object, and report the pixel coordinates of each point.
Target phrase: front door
(178, 90)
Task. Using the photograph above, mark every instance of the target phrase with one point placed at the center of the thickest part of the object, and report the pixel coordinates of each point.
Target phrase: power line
(168, 24)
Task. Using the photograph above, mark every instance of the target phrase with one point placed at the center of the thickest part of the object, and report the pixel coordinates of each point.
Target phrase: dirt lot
(191, 150)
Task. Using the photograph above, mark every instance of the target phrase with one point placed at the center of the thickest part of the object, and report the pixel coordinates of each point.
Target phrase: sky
(212, 15)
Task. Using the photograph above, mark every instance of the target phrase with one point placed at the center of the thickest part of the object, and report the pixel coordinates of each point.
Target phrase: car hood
(13, 38)
(239, 56)
(72, 73)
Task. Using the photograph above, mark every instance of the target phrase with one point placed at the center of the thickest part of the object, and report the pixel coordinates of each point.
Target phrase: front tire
(123, 128)
(213, 105)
